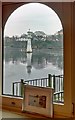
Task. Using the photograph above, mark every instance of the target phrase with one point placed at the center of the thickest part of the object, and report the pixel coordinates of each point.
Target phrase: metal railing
(58, 97)
(43, 82)
(55, 82)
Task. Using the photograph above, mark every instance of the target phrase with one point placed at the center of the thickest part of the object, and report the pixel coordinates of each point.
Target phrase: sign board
(38, 100)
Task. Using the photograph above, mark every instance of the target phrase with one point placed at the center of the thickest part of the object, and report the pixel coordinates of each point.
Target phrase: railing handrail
(16, 82)
(61, 76)
(36, 79)
(58, 92)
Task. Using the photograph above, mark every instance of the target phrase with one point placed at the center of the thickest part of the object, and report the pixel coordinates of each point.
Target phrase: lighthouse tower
(29, 48)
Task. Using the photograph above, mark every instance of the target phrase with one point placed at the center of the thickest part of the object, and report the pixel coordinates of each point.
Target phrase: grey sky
(34, 16)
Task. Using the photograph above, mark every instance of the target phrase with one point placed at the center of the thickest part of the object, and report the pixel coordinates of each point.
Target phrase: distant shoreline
(33, 48)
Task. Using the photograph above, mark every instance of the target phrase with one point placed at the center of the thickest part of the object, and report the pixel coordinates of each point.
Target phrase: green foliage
(39, 41)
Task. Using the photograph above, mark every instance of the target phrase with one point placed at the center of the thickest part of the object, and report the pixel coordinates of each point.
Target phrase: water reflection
(29, 65)
(39, 59)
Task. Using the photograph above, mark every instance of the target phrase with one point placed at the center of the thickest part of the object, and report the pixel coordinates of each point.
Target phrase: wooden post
(49, 80)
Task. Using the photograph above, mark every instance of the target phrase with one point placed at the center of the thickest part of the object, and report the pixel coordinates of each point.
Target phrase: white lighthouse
(29, 48)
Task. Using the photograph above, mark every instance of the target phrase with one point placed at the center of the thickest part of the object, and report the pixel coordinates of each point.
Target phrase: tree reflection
(38, 59)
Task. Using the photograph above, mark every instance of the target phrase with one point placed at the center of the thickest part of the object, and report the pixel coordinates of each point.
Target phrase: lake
(21, 65)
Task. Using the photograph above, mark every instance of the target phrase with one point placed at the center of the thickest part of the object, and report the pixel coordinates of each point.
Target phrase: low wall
(15, 104)
(12, 103)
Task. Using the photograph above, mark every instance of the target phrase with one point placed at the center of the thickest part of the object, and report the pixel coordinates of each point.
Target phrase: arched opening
(47, 33)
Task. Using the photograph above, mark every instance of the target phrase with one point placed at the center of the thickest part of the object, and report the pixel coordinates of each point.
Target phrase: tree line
(39, 40)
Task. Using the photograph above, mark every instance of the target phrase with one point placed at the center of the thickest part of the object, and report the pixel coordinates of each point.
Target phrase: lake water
(21, 65)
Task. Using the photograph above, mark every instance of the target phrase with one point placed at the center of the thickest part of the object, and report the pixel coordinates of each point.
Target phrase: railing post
(54, 82)
(13, 88)
(49, 80)
(22, 83)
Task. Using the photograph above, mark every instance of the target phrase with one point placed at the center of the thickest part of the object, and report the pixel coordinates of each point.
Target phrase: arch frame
(66, 17)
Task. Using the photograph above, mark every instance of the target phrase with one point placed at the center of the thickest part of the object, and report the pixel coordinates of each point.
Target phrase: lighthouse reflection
(36, 60)
(29, 65)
